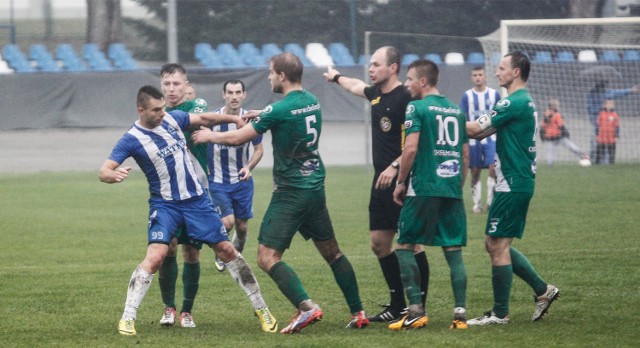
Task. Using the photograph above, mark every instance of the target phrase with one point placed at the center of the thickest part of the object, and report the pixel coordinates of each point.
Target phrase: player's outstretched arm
(351, 84)
(111, 172)
(210, 119)
(231, 138)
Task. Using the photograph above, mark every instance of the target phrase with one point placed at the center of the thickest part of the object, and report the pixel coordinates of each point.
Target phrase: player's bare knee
(225, 251)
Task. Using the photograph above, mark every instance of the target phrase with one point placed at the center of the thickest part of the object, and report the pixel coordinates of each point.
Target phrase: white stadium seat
(318, 54)
(587, 56)
(454, 58)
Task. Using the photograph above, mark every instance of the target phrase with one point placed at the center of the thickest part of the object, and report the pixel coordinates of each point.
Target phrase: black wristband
(335, 78)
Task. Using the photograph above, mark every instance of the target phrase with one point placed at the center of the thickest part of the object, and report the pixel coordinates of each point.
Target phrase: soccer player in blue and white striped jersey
(476, 102)
(230, 181)
(178, 200)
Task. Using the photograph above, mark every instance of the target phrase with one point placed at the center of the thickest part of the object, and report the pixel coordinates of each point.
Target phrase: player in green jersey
(298, 202)
(514, 121)
(174, 83)
(432, 172)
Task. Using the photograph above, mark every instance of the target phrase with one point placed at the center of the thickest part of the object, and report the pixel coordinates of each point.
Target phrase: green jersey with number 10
(437, 169)
(295, 123)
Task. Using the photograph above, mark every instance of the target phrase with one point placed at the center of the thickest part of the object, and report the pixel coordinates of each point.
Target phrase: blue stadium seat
(631, 56)
(434, 57)
(340, 54)
(364, 59)
(16, 59)
(543, 57)
(270, 49)
(475, 58)
(251, 55)
(298, 51)
(565, 57)
(229, 55)
(409, 58)
(70, 59)
(43, 59)
(609, 56)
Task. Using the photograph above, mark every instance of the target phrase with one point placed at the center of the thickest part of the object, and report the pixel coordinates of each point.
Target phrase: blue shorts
(236, 199)
(196, 217)
(482, 153)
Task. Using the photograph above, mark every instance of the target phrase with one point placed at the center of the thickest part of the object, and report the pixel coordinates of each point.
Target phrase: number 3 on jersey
(311, 119)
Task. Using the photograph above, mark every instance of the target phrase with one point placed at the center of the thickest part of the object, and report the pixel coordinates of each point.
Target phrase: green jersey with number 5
(295, 123)
(437, 169)
(516, 120)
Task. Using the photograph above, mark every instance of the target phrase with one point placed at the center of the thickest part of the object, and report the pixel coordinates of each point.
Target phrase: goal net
(570, 57)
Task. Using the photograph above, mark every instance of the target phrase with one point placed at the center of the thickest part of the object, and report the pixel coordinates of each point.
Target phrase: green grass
(69, 244)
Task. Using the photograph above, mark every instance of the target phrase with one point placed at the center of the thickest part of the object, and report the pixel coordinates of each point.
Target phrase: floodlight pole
(172, 32)
(367, 106)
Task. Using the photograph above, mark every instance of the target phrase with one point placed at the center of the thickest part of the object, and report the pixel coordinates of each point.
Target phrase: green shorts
(291, 211)
(434, 221)
(508, 214)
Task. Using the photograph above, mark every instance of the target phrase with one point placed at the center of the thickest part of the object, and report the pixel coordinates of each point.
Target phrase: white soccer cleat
(488, 318)
(168, 316)
(544, 301)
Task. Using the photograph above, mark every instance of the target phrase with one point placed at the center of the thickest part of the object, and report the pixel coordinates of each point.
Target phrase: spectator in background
(596, 97)
(607, 131)
(555, 133)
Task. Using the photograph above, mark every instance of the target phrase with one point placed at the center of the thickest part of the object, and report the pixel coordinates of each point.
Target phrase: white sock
(138, 285)
(476, 193)
(243, 275)
(491, 185)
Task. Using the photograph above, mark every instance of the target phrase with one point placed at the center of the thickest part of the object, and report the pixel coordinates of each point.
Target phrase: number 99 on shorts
(158, 235)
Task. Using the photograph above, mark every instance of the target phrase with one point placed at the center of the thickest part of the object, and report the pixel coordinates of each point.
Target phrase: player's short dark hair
(477, 67)
(393, 56)
(426, 68)
(519, 60)
(289, 64)
(172, 68)
(145, 93)
(232, 82)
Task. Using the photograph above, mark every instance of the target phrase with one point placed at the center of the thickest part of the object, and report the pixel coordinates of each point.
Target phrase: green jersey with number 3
(295, 123)
(437, 169)
(516, 120)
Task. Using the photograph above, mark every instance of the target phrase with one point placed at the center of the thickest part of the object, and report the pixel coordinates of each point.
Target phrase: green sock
(167, 277)
(501, 280)
(523, 269)
(423, 269)
(190, 281)
(410, 275)
(346, 279)
(288, 282)
(458, 276)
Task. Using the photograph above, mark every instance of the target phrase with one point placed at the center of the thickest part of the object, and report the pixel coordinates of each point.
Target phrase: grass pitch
(69, 245)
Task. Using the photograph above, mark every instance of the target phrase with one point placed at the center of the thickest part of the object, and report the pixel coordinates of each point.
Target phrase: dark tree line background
(325, 21)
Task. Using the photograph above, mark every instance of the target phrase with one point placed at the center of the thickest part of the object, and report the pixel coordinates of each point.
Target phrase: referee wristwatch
(395, 164)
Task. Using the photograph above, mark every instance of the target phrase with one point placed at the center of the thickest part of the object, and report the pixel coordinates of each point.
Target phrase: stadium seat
(409, 58)
(609, 56)
(298, 51)
(364, 59)
(631, 56)
(318, 54)
(543, 57)
(475, 58)
(4, 68)
(250, 54)
(565, 57)
(587, 56)
(495, 58)
(434, 57)
(43, 59)
(70, 59)
(454, 58)
(270, 49)
(340, 54)
(16, 59)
